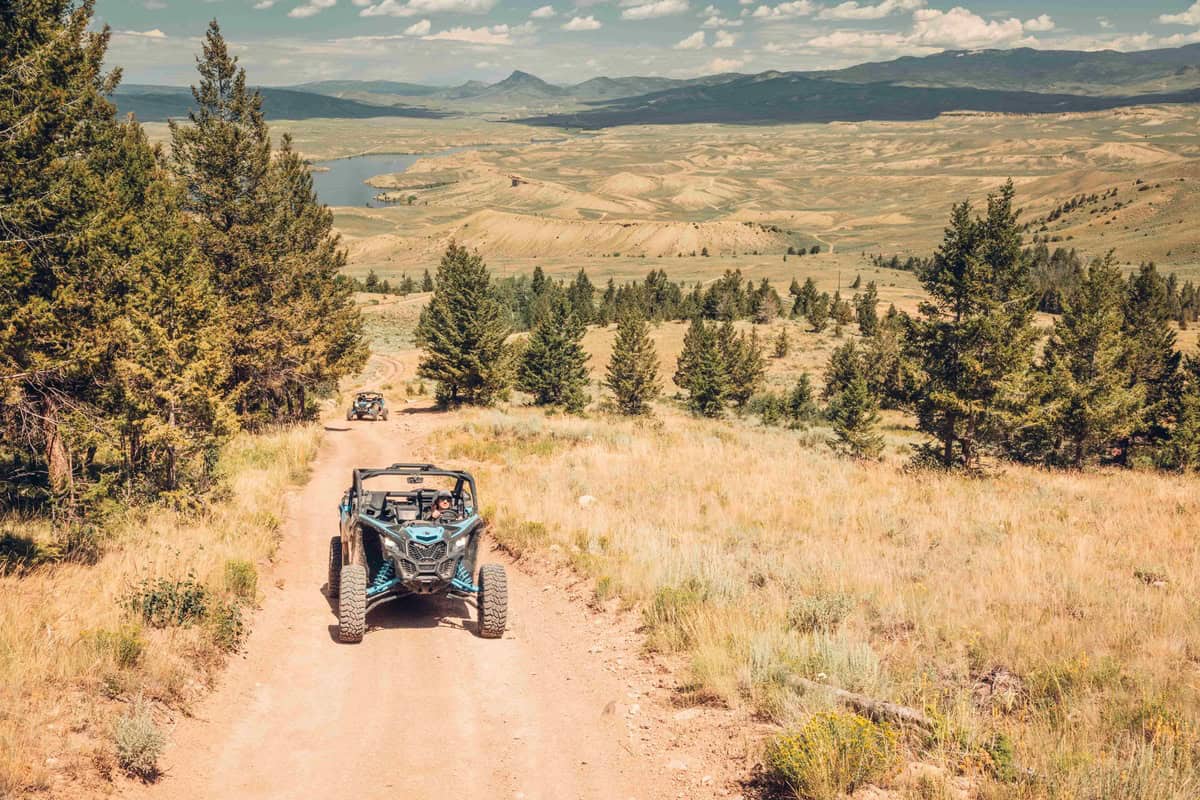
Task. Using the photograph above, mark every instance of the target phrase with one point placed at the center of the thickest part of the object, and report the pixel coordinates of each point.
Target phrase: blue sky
(448, 41)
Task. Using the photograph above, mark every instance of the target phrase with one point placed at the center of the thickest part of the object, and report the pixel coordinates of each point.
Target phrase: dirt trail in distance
(423, 708)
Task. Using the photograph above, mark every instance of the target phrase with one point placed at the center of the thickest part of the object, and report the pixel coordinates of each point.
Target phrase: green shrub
(241, 579)
(124, 644)
(820, 612)
(226, 625)
(832, 755)
(164, 602)
(139, 743)
(1000, 752)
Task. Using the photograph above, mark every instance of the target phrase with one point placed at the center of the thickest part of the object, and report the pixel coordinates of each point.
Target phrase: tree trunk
(58, 459)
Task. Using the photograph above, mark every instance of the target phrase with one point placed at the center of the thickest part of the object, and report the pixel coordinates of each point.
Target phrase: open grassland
(619, 199)
(91, 653)
(1048, 622)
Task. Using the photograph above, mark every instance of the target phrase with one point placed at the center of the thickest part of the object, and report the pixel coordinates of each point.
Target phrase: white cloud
(421, 28)
(582, 24)
(159, 5)
(1105, 22)
(151, 34)
(1040, 24)
(694, 42)
(724, 64)
(261, 5)
(725, 39)
(495, 35)
(311, 7)
(718, 20)
(545, 12)
(660, 8)
(1189, 17)
(853, 10)
(961, 28)
(789, 10)
(412, 8)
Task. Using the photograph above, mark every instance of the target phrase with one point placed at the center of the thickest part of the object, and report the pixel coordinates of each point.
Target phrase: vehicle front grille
(407, 568)
(427, 552)
(446, 570)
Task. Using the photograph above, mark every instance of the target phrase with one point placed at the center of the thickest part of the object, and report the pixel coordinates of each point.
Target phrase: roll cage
(420, 499)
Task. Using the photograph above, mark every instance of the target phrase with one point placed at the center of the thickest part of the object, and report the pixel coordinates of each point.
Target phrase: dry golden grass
(70, 660)
(1058, 610)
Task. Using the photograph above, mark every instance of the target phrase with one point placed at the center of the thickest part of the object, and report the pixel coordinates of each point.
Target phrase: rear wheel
(352, 604)
(493, 601)
(335, 567)
(384, 415)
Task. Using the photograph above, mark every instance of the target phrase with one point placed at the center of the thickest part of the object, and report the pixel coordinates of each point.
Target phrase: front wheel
(384, 415)
(350, 416)
(335, 568)
(352, 604)
(493, 601)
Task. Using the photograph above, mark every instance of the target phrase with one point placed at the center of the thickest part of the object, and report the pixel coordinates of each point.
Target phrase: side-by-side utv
(368, 404)
(411, 529)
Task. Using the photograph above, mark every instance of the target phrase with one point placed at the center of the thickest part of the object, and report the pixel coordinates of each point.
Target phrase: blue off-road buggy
(368, 404)
(401, 537)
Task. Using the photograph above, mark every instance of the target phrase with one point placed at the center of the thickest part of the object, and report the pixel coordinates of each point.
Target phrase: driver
(443, 507)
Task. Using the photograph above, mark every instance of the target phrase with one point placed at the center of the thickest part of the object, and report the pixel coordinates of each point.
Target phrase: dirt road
(422, 708)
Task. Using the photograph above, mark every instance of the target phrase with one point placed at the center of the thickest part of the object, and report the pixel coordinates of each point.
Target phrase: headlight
(460, 543)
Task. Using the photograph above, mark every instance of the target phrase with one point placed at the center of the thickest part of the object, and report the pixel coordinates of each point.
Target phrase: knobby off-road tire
(332, 589)
(350, 416)
(493, 601)
(384, 415)
(352, 604)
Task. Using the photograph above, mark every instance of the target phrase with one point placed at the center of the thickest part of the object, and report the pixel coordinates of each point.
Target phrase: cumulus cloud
(660, 8)
(724, 64)
(413, 8)
(725, 39)
(311, 7)
(853, 10)
(1040, 24)
(421, 28)
(789, 10)
(1189, 17)
(721, 22)
(545, 12)
(588, 23)
(694, 42)
(495, 35)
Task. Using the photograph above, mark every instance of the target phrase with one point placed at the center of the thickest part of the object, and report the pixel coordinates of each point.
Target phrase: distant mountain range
(1013, 81)
(160, 103)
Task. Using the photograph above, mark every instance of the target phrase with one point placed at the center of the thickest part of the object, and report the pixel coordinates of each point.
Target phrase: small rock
(635, 708)
(677, 764)
(586, 500)
(707, 780)
(686, 714)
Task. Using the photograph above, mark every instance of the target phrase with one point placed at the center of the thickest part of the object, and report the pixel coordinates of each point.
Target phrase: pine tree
(58, 304)
(701, 370)
(1085, 403)
(818, 312)
(633, 368)
(320, 336)
(855, 419)
(223, 158)
(554, 364)
(806, 297)
(426, 282)
(1152, 362)
(743, 360)
(1181, 451)
(801, 407)
(462, 334)
(783, 345)
(866, 308)
(974, 338)
(845, 364)
(580, 297)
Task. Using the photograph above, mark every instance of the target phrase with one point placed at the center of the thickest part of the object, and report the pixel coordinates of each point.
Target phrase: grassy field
(91, 654)
(1052, 612)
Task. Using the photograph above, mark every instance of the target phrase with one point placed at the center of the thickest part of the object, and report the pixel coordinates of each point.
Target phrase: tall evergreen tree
(783, 344)
(223, 158)
(633, 368)
(426, 282)
(845, 364)
(1085, 402)
(58, 304)
(743, 359)
(462, 333)
(1152, 360)
(581, 297)
(974, 338)
(855, 419)
(818, 312)
(554, 364)
(801, 407)
(866, 307)
(701, 370)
